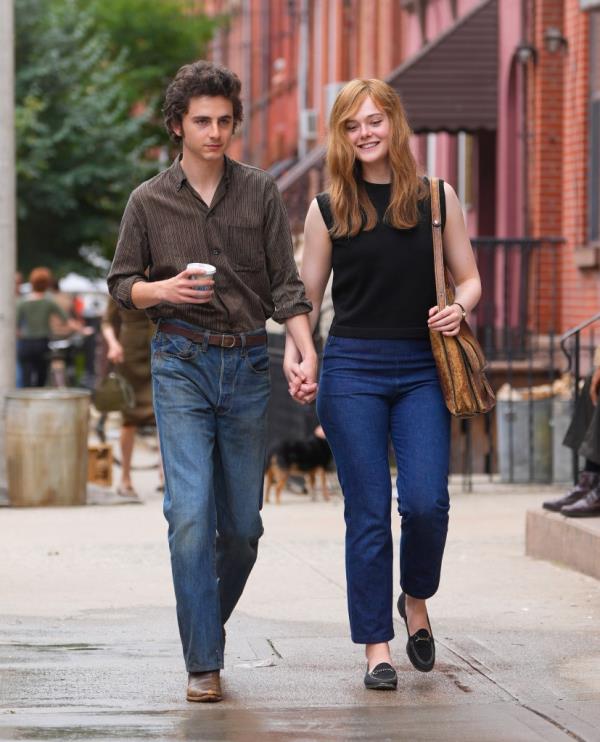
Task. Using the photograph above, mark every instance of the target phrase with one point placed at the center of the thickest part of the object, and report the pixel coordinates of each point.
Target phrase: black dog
(303, 457)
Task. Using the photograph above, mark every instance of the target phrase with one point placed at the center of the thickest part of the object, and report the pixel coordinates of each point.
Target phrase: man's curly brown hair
(196, 79)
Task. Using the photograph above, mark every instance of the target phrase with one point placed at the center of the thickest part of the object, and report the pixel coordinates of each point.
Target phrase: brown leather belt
(223, 341)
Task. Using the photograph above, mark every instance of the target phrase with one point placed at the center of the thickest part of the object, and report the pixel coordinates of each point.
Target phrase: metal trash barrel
(46, 446)
(524, 439)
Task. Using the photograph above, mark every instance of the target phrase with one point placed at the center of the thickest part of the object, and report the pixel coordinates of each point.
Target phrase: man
(210, 366)
(583, 436)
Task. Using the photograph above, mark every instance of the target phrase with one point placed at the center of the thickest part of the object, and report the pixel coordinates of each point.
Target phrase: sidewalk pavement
(89, 648)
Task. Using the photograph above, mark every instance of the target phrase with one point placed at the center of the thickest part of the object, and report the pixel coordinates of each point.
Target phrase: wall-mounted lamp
(526, 53)
(554, 41)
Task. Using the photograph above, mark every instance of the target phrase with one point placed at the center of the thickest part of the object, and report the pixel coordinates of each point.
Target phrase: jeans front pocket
(175, 346)
(257, 359)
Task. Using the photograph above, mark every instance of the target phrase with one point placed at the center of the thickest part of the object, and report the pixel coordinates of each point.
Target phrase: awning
(451, 83)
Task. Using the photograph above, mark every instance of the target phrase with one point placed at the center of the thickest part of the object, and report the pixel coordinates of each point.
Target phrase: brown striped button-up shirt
(244, 233)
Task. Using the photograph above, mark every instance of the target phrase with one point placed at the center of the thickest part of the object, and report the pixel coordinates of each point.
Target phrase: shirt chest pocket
(245, 246)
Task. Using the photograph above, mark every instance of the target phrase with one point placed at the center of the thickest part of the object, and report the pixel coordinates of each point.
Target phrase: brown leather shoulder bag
(459, 358)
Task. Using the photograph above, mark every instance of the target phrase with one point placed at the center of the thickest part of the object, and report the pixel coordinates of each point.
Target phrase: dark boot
(587, 507)
(586, 482)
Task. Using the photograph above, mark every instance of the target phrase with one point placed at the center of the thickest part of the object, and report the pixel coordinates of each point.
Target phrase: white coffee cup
(205, 270)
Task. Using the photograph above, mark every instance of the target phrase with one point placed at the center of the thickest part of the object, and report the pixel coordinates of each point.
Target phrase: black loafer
(381, 677)
(420, 647)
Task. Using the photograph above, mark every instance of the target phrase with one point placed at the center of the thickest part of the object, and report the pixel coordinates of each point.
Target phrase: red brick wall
(546, 140)
(580, 288)
(558, 159)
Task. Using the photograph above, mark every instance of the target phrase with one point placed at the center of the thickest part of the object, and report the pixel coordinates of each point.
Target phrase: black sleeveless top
(383, 280)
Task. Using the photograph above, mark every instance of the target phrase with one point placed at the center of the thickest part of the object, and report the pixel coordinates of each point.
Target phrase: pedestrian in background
(18, 369)
(583, 437)
(210, 364)
(373, 229)
(34, 314)
(128, 334)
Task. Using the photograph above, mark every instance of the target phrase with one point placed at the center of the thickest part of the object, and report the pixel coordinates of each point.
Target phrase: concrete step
(574, 542)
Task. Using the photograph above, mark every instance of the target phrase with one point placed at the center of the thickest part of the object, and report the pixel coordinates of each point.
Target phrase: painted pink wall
(509, 159)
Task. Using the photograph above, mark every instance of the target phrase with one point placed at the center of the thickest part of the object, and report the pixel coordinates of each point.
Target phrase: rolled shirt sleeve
(132, 255)
(287, 290)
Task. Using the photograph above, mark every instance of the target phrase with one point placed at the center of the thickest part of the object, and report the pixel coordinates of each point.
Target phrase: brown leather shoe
(204, 687)
(587, 507)
(586, 482)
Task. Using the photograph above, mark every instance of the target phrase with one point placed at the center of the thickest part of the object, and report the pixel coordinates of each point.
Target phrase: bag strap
(438, 250)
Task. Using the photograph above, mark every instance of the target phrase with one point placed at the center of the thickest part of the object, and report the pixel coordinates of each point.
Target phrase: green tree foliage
(80, 68)
(159, 37)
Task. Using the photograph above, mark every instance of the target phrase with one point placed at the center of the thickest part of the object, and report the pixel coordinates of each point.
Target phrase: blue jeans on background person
(371, 390)
(210, 406)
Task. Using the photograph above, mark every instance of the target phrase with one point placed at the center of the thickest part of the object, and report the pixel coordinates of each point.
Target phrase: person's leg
(583, 436)
(26, 357)
(354, 411)
(588, 505)
(41, 364)
(127, 443)
(241, 437)
(185, 385)
(420, 427)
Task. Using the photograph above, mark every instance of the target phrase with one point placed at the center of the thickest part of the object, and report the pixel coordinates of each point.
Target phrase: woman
(128, 335)
(34, 314)
(379, 380)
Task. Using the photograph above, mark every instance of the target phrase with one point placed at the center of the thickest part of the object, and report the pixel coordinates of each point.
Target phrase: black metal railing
(518, 306)
(517, 323)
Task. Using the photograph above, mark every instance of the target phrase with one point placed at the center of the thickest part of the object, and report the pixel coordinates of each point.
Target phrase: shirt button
(216, 252)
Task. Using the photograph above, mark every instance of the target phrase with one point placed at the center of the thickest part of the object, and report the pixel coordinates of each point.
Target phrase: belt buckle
(226, 345)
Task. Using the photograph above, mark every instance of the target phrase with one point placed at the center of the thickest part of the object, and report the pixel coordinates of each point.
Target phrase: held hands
(447, 321)
(181, 289)
(301, 374)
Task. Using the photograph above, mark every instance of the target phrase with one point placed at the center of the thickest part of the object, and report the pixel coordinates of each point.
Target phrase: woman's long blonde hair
(351, 207)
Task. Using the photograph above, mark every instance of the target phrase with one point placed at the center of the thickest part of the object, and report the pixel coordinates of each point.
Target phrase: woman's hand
(115, 353)
(447, 321)
(300, 373)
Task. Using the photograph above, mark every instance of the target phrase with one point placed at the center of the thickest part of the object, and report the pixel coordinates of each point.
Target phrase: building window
(594, 132)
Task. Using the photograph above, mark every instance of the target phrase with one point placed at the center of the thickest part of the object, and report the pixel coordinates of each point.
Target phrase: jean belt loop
(244, 347)
(205, 341)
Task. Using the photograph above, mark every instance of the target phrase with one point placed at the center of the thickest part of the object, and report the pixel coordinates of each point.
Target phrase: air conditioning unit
(331, 91)
(308, 123)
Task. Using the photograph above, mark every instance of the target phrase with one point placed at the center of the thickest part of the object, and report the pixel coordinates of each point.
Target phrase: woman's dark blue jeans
(371, 391)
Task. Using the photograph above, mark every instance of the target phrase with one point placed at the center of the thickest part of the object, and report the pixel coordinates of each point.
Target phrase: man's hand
(595, 386)
(182, 289)
(301, 374)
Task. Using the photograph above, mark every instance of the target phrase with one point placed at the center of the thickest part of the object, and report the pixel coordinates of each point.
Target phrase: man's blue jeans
(371, 390)
(211, 406)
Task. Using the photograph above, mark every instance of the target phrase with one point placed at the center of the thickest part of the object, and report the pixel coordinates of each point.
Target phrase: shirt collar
(179, 177)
